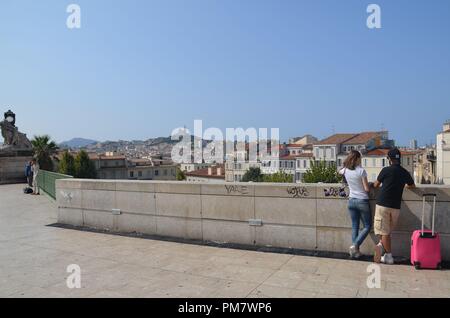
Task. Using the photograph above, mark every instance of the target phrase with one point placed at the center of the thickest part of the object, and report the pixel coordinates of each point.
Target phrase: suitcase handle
(425, 195)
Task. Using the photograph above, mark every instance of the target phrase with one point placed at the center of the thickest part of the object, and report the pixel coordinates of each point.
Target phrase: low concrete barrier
(301, 216)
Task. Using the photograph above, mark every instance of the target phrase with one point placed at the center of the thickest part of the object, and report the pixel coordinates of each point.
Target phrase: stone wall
(311, 217)
(12, 169)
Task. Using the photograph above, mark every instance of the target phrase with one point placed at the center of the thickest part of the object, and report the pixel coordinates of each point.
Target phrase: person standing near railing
(392, 181)
(358, 205)
(29, 174)
(35, 170)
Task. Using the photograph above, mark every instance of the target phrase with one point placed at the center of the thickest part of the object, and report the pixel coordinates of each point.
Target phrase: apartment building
(304, 140)
(190, 167)
(144, 169)
(303, 164)
(335, 148)
(425, 166)
(288, 164)
(110, 165)
(235, 170)
(296, 149)
(240, 161)
(375, 160)
(443, 155)
(212, 174)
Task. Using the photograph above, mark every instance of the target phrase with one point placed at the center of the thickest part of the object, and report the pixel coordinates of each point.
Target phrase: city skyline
(140, 69)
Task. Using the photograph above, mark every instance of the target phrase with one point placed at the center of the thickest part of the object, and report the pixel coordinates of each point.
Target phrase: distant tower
(446, 125)
(413, 144)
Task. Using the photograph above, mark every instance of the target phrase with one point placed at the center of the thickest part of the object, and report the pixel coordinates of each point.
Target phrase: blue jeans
(359, 210)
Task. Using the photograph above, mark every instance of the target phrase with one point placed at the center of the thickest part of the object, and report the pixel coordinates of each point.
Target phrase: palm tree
(43, 148)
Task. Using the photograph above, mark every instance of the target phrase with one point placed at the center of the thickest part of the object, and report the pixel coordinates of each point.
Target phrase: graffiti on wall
(335, 192)
(298, 192)
(236, 189)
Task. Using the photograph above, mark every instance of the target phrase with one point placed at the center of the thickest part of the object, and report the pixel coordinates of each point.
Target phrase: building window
(365, 162)
(131, 174)
(304, 163)
(407, 161)
(156, 172)
(384, 162)
(140, 173)
(374, 162)
(332, 152)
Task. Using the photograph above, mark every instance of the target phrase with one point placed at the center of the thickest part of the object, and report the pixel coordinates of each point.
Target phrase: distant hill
(77, 143)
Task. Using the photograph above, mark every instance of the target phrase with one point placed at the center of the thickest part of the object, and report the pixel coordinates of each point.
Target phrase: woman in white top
(358, 204)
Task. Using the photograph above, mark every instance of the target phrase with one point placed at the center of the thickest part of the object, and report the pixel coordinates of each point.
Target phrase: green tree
(67, 164)
(321, 171)
(44, 148)
(180, 175)
(84, 167)
(279, 177)
(253, 175)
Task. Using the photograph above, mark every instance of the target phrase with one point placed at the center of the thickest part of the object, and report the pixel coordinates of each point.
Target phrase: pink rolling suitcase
(426, 244)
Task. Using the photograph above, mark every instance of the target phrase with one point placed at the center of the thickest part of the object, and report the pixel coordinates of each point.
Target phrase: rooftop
(34, 258)
(350, 138)
(384, 152)
(362, 138)
(214, 172)
(336, 139)
(300, 155)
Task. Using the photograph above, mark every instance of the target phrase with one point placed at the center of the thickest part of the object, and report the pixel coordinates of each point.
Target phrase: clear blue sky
(138, 69)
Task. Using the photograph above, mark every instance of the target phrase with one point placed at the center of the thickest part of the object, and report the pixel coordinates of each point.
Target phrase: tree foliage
(44, 148)
(180, 175)
(253, 175)
(322, 171)
(279, 177)
(84, 167)
(67, 164)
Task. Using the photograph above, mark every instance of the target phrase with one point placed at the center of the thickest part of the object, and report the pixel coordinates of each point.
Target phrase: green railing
(46, 181)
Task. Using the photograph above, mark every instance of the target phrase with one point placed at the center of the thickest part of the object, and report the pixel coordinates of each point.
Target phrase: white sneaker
(387, 259)
(354, 252)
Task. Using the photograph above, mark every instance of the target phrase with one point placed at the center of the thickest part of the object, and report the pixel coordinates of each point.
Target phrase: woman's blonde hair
(351, 162)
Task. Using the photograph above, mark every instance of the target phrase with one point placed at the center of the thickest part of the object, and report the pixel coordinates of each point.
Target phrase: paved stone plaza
(34, 258)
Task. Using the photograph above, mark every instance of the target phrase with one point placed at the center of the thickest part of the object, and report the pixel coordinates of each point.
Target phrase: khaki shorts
(385, 220)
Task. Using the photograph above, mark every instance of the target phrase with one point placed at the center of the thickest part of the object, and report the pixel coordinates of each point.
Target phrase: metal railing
(46, 181)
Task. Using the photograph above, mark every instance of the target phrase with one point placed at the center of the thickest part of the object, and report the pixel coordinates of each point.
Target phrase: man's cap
(394, 154)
